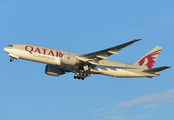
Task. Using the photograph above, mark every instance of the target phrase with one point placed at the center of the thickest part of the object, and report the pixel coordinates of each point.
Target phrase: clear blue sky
(84, 26)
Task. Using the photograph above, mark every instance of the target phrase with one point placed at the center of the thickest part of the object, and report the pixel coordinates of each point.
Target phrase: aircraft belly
(119, 73)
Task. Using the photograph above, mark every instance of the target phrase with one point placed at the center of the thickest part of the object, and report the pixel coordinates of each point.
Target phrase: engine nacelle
(68, 60)
(53, 70)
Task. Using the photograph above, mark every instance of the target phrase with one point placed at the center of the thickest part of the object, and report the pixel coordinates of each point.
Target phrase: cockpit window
(10, 45)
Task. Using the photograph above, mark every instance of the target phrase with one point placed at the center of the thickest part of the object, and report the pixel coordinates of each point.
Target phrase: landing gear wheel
(82, 78)
(11, 60)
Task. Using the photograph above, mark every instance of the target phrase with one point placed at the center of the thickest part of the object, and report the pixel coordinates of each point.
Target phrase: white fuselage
(53, 57)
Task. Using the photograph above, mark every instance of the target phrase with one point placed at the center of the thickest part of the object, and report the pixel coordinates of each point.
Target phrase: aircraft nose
(6, 49)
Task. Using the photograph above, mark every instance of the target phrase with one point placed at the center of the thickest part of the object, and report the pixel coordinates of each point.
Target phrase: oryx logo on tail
(148, 60)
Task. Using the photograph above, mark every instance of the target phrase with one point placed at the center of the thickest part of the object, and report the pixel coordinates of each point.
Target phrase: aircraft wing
(103, 54)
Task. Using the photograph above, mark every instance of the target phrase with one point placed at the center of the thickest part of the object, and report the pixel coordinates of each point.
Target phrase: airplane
(60, 62)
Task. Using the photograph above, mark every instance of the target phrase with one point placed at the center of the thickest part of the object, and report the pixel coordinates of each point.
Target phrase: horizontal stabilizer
(153, 70)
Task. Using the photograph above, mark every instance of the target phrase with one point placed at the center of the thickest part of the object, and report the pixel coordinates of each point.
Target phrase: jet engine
(53, 70)
(69, 60)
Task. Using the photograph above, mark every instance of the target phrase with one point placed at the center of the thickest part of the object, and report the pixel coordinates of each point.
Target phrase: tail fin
(148, 60)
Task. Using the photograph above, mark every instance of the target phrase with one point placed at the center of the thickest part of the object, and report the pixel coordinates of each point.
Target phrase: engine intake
(53, 70)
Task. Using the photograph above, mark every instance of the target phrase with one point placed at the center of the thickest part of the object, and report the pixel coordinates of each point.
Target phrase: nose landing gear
(12, 57)
(11, 60)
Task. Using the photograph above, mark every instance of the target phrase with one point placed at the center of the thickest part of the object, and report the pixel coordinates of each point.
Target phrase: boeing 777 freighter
(59, 62)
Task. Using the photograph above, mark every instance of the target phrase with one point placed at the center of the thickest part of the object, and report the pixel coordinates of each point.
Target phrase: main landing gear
(81, 74)
(75, 77)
